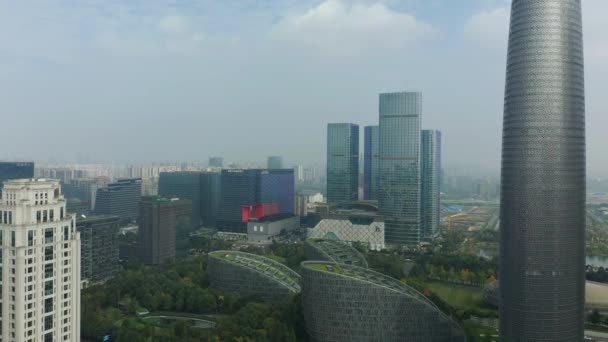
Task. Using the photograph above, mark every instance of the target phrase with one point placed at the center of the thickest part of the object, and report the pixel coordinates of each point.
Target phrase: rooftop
(366, 275)
(268, 267)
(339, 252)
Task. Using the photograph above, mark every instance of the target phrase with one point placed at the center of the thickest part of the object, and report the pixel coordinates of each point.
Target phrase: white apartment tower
(40, 264)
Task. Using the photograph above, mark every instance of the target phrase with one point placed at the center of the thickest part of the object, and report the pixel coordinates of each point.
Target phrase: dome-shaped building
(349, 303)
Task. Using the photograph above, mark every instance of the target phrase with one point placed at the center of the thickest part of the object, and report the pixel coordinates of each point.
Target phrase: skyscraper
(98, 247)
(216, 162)
(183, 185)
(399, 188)
(275, 162)
(342, 163)
(430, 176)
(371, 164)
(41, 263)
(119, 199)
(211, 191)
(542, 236)
(254, 193)
(160, 219)
(15, 170)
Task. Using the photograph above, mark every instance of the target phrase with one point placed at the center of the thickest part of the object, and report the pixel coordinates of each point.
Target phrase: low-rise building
(264, 229)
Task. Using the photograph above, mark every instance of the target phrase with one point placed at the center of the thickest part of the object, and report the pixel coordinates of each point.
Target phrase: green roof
(338, 251)
(265, 266)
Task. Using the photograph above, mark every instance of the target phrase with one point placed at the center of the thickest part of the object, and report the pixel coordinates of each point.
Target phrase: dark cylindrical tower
(542, 239)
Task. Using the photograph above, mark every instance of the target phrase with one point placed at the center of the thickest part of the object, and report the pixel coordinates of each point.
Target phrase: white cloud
(341, 27)
(489, 28)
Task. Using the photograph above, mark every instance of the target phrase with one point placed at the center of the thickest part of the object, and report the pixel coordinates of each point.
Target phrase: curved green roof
(338, 251)
(265, 266)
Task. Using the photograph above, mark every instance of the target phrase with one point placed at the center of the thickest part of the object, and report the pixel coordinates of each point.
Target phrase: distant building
(399, 194)
(76, 206)
(275, 162)
(159, 220)
(333, 251)
(211, 191)
(349, 303)
(254, 193)
(216, 162)
(264, 229)
(120, 199)
(368, 232)
(15, 170)
(430, 183)
(99, 247)
(40, 263)
(252, 275)
(342, 162)
(371, 164)
(301, 205)
(183, 185)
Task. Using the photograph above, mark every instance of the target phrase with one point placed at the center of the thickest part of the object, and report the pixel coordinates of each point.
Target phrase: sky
(140, 81)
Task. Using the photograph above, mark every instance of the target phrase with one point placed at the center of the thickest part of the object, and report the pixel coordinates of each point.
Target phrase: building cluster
(342, 299)
(402, 167)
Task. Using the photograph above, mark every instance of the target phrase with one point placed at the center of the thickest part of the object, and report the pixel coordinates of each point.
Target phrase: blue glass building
(430, 184)
(399, 188)
(342, 163)
(371, 164)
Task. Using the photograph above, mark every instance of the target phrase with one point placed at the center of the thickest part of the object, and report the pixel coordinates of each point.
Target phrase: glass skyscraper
(342, 163)
(431, 176)
(120, 199)
(399, 195)
(371, 164)
(542, 206)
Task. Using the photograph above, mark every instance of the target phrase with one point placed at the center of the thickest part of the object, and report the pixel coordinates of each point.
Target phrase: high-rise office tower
(399, 188)
(342, 163)
(254, 193)
(183, 185)
(371, 163)
(542, 235)
(430, 183)
(98, 247)
(211, 191)
(119, 199)
(40, 263)
(275, 162)
(15, 170)
(159, 220)
(216, 162)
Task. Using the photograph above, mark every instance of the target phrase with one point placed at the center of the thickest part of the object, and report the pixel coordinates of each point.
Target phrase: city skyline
(195, 119)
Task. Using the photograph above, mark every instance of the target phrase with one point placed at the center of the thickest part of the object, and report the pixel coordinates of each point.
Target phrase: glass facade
(399, 188)
(371, 164)
(183, 185)
(349, 303)
(211, 190)
(342, 163)
(120, 199)
(542, 206)
(275, 162)
(431, 179)
(251, 187)
(99, 247)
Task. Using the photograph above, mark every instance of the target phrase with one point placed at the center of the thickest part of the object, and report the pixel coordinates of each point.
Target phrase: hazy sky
(142, 80)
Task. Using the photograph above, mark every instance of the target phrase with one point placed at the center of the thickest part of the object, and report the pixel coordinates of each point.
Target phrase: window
(66, 233)
(38, 216)
(48, 235)
(48, 287)
(48, 305)
(61, 213)
(48, 337)
(13, 239)
(30, 238)
(10, 217)
(45, 216)
(261, 228)
(48, 253)
(52, 215)
(48, 270)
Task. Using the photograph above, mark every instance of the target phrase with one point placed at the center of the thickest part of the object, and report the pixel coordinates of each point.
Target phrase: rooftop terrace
(265, 266)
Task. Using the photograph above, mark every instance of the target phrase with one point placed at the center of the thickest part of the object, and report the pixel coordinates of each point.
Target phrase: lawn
(463, 297)
(479, 333)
